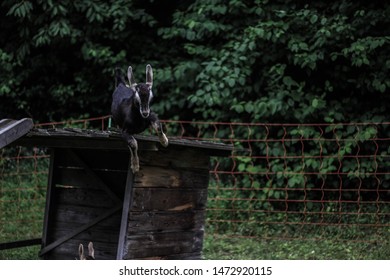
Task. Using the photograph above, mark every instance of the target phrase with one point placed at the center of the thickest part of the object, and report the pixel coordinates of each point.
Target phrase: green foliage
(214, 60)
(58, 58)
(285, 61)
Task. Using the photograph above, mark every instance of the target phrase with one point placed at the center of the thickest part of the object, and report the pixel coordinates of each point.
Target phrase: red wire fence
(282, 181)
(298, 181)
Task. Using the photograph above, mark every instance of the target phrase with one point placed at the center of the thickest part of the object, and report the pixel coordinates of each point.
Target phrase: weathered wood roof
(11, 130)
(111, 139)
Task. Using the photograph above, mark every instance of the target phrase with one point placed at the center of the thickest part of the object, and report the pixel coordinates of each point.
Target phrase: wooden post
(125, 213)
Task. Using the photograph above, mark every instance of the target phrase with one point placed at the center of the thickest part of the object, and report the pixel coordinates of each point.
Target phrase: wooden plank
(49, 198)
(76, 213)
(184, 256)
(69, 140)
(96, 160)
(13, 130)
(158, 244)
(127, 201)
(109, 226)
(165, 221)
(75, 177)
(20, 243)
(150, 176)
(78, 178)
(94, 198)
(90, 139)
(176, 157)
(157, 199)
(156, 176)
(96, 233)
(5, 122)
(210, 148)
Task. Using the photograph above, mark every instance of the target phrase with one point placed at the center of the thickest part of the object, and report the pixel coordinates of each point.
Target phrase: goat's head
(143, 91)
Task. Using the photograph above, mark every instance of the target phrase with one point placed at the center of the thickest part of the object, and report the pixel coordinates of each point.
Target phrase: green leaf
(249, 108)
(314, 103)
(313, 19)
(231, 82)
(238, 108)
(21, 9)
(191, 24)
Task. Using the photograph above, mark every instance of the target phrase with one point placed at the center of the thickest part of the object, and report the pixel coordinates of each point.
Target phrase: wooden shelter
(92, 195)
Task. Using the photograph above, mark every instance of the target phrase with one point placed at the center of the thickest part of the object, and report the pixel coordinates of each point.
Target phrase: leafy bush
(284, 61)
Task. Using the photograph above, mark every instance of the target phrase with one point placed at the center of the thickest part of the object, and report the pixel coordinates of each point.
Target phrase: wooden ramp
(11, 130)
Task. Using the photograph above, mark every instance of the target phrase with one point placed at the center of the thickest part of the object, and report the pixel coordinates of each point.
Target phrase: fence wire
(282, 181)
(298, 181)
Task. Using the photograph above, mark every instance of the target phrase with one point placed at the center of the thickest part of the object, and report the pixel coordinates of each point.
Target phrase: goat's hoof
(164, 141)
(135, 167)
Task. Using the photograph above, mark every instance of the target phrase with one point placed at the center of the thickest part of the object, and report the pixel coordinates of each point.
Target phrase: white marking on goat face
(143, 97)
(137, 98)
(150, 95)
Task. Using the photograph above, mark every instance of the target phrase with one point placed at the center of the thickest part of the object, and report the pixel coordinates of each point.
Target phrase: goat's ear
(81, 252)
(91, 251)
(149, 75)
(130, 76)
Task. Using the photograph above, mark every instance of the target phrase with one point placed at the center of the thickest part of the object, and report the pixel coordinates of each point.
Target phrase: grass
(220, 247)
(23, 179)
(26, 253)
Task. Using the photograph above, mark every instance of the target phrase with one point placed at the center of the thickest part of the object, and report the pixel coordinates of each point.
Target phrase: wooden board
(11, 130)
(184, 256)
(19, 243)
(85, 197)
(157, 199)
(176, 157)
(150, 176)
(96, 160)
(78, 178)
(159, 221)
(163, 244)
(112, 140)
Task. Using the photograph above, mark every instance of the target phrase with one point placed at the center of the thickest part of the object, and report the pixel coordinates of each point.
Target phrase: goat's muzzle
(145, 113)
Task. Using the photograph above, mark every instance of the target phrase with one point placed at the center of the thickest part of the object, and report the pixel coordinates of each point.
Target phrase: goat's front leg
(158, 128)
(133, 147)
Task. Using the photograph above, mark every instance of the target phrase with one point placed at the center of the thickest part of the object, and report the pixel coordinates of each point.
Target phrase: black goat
(130, 110)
